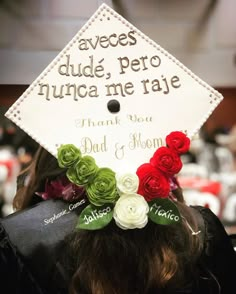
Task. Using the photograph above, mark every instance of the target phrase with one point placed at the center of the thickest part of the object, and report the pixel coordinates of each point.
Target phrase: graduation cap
(115, 94)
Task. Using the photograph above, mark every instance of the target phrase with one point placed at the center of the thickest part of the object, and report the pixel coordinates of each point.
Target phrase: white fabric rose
(127, 183)
(130, 212)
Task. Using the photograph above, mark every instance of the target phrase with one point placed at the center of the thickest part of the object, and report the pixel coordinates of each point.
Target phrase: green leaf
(94, 217)
(163, 211)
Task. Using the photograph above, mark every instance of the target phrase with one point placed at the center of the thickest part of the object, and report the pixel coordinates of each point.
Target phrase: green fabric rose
(103, 188)
(82, 171)
(67, 155)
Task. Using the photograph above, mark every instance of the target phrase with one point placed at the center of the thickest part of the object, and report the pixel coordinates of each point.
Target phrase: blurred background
(200, 33)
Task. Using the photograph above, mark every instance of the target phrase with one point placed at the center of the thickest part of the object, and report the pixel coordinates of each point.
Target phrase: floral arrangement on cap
(130, 199)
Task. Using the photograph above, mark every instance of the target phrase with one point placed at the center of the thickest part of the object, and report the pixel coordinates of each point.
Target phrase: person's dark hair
(139, 261)
(43, 166)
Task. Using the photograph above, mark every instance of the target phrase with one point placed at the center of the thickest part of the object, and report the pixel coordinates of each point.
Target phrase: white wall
(200, 33)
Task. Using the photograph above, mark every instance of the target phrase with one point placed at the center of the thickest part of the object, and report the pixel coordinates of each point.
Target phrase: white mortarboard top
(115, 94)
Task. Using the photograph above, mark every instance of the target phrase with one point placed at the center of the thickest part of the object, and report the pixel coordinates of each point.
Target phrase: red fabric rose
(167, 160)
(152, 183)
(178, 141)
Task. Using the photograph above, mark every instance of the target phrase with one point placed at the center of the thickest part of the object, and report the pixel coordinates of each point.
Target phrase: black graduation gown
(31, 247)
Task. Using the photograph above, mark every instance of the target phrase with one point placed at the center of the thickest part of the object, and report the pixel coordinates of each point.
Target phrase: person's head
(113, 260)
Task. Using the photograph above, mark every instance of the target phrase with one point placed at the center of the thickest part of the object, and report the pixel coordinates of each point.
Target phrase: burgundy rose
(61, 188)
(52, 190)
(166, 160)
(152, 183)
(178, 141)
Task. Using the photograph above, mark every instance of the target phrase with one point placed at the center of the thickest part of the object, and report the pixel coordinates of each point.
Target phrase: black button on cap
(113, 106)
